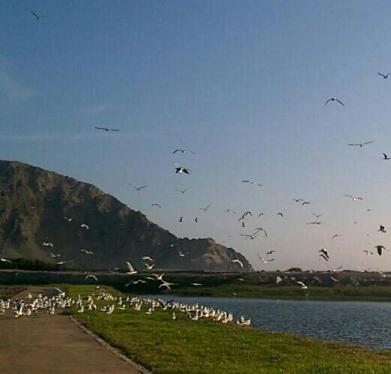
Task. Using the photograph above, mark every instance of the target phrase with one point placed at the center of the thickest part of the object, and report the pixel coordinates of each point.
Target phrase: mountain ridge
(39, 206)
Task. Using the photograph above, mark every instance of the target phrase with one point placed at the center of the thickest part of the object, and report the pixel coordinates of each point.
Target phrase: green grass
(186, 346)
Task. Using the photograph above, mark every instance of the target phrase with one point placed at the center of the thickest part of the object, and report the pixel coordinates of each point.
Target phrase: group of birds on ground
(105, 302)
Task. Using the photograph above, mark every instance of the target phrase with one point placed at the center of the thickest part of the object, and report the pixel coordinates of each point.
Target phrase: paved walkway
(53, 344)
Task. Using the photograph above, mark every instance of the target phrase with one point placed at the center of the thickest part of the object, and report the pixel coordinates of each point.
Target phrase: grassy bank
(185, 346)
(346, 285)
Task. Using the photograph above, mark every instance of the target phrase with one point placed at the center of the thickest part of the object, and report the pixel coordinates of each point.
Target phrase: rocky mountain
(43, 214)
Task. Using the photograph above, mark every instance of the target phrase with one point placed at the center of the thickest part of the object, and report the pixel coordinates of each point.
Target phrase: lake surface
(362, 323)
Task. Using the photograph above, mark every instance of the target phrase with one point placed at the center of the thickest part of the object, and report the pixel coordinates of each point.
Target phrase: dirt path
(53, 344)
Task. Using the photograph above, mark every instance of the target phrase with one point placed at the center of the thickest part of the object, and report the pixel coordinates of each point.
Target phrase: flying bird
(90, 253)
(361, 144)
(131, 270)
(156, 205)
(385, 157)
(85, 226)
(258, 229)
(182, 170)
(335, 236)
(280, 214)
(384, 76)
(302, 285)
(244, 215)
(147, 258)
(92, 276)
(149, 267)
(37, 16)
(354, 198)
(182, 191)
(382, 229)
(324, 253)
(5, 260)
(262, 259)
(181, 150)
(249, 236)
(105, 129)
(236, 261)
(252, 182)
(324, 257)
(270, 252)
(206, 208)
(380, 249)
(159, 277)
(306, 203)
(333, 99)
(166, 285)
(180, 219)
(140, 188)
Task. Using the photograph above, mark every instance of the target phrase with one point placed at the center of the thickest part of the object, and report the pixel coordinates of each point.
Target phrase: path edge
(113, 350)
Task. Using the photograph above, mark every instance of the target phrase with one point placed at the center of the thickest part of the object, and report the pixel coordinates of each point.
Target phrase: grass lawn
(184, 346)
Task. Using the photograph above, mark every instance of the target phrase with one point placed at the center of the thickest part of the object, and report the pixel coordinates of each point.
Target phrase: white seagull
(131, 270)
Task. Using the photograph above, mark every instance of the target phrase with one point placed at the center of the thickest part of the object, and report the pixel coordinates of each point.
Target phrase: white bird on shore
(110, 309)
(243, 322)
(5, 260)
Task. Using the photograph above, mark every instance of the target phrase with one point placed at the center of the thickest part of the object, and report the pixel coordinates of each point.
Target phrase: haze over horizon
(243, 85)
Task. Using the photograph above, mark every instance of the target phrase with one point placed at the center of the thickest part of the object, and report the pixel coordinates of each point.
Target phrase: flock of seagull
(105, 302)
(243, 217)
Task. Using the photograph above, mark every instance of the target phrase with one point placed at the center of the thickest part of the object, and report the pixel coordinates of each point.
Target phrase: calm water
(361, 323)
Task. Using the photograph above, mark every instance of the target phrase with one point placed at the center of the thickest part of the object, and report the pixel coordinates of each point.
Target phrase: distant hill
(38, 206)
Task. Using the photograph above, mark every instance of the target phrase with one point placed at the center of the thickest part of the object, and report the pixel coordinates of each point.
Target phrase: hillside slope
(38, 206)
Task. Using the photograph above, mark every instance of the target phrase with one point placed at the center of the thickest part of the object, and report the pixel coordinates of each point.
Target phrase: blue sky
(241, 83)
